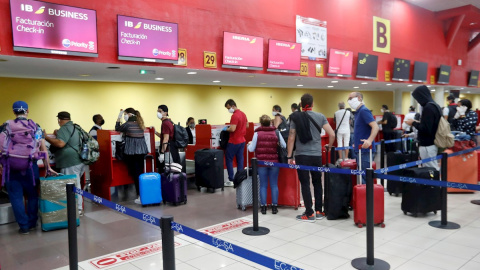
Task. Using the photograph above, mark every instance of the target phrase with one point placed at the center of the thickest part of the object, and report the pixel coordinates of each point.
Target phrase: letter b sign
(381, 35)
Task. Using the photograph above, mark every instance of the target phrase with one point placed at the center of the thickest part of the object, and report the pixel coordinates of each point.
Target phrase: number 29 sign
(209, 59)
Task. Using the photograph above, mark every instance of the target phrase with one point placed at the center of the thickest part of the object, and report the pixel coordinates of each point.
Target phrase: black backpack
(224, 137)
(393, 121)
(284, 128)
(180, 136)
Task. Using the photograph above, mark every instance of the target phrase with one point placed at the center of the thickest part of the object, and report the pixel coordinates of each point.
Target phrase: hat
(19, 106)
(164, 108)
(63, 116)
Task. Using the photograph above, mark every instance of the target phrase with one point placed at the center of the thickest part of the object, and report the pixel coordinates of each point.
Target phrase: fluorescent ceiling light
(159, 79)
(216, 81)
(364, 83)
(300, 85)
(334, 81)
(192, 73)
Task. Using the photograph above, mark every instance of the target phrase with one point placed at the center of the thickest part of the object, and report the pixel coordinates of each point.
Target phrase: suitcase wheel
(198, 188)
(360, 225)
(390, 193)
(222, 188)
(238, 206)
(382, 225)
(244, 208)
(404, 212)
(185, 202)
(435, 212)
(174, 204)
(164, 202)
(396, 194)
(415, 214)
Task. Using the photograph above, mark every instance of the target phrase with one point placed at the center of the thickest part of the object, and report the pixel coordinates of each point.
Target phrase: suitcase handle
(145, 163)
(359, 177)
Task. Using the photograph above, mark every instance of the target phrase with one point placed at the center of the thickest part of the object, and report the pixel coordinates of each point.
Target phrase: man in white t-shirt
(342, 131)
(411, 115)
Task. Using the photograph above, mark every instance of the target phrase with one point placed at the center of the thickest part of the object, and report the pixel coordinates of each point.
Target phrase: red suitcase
(478, 166)
(360, 201)
(352, 164)
(288, 189)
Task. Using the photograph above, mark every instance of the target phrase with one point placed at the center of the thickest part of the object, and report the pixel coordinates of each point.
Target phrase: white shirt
(446, 110)
(410, 115)
(345, 125)
(94, 132)
(194, 136)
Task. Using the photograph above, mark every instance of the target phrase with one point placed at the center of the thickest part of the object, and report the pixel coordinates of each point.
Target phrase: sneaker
(138, 201)
(319, 215)
(304, 217)
(228, 184)
(80, 213)
(23, 231)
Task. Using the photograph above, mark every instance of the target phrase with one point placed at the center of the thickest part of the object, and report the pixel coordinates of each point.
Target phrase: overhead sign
(284, 56)
(43, 27)
(242, 51)
(381, 35)
(340, 63)
(147, 40)
(312, 34)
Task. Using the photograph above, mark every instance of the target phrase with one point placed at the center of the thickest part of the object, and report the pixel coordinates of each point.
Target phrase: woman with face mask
(135, 145)
(465, 119)
(191, 130)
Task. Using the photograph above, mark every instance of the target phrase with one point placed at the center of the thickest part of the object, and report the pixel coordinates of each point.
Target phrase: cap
(19, 106)
(63, 115)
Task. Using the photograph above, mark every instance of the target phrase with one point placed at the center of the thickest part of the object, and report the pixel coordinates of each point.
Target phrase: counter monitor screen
(444, 74)
(367, 66)
(340, 63)
(242, 51)
(284, 56)
(401, 70)
(42, 27)
(420, 72)
(473, 80)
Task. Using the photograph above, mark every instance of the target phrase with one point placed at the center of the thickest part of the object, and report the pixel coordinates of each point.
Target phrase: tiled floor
(405, 243)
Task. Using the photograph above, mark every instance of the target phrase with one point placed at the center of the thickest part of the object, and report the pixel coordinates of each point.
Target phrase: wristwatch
(290, 157)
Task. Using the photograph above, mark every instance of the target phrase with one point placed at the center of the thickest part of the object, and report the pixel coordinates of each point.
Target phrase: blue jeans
(352, 151)
(267, 174)
(234, 150)
(18, 185)
(365, 163)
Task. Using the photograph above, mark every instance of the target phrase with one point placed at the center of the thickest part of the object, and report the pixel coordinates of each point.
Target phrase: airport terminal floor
(405, 243)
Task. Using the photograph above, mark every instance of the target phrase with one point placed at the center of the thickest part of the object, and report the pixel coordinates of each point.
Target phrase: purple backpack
(18, 146)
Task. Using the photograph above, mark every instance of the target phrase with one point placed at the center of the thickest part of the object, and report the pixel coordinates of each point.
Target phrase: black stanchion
(370, 262)
(168, 244)
(382, 159)
(443, 223)
(72, 227)
(255, 230)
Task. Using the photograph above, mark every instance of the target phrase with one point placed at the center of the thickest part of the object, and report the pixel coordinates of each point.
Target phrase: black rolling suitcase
(338, 191)
(397, 158)
(418, 198)
(209, 169)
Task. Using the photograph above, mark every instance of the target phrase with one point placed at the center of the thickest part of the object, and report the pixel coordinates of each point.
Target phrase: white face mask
(382, 110)
(354, 103)
(274, 113)
(231, 110)
(461, 109)
(125, 117)
(159, 115)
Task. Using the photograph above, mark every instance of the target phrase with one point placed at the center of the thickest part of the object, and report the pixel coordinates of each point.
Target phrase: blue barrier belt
(119, 208)
(429, 182)
(464, 151)
(232, 248)
(311, 168)
(343, 148)
(389, 141)
(407, 165)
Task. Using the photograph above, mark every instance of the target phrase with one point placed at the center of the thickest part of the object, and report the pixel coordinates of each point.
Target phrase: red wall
(416, 34)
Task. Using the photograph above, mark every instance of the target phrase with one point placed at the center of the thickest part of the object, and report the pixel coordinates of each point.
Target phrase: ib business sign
(56, 29)
(147, 40)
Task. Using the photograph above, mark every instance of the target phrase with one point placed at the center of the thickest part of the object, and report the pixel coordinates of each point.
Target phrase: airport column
(439, 95)
(398, 96)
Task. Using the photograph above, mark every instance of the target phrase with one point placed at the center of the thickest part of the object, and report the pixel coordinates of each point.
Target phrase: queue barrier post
(72, 226)
(444, 223)
(370, 262)
(168, 244)
(382, 159)
(255, 230)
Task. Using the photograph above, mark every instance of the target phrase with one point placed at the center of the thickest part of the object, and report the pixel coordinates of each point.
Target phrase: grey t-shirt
(313, 147)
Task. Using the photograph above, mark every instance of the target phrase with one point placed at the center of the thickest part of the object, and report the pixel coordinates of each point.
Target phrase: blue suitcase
(53, 202)
(174, 188)
(150, 185)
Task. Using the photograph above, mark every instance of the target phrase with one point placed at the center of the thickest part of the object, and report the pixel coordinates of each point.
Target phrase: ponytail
(140, 122)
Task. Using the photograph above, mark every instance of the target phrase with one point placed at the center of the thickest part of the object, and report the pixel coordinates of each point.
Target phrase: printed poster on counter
(43, 27)
(312, 34)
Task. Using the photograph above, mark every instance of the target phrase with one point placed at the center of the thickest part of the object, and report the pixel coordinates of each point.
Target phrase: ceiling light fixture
(84, 75)
(159, 79)
(216, 81)
(462, 88)
(356, 87)
(410, 85)
(433, 90)
(468, 92)
(330, 86)
(192, 73)
(364, 83)
(299, 85)
(334, 81)
(388, 84)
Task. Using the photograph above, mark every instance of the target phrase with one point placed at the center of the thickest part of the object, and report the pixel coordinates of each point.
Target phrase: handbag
(281, 152)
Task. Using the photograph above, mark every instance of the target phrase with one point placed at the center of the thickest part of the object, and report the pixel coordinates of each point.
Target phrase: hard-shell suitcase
(150, 185)
(462, 169)
(360, 201)
(352, 165)
(397, 158)
(288, 189)
(174, 188)
(53, 202)
(244, 191)
(418, 198)
(209, 169)
(337, 196)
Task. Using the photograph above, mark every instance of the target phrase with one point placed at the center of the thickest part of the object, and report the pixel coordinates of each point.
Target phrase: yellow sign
(304, 69)
(381, 35)
(182, 57)
(210, 59)
(319, 70)
(432, 79)
(387, 75)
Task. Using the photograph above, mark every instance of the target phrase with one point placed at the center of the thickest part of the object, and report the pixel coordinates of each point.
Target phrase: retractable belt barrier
(375, 143)
(213, 241)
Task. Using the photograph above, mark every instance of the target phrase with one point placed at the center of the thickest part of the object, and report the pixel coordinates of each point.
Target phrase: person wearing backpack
(135, 145)
(167, 138)
(427, 126)
(280, 122)
(23, 182)
(388, 122)
(66, 147)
